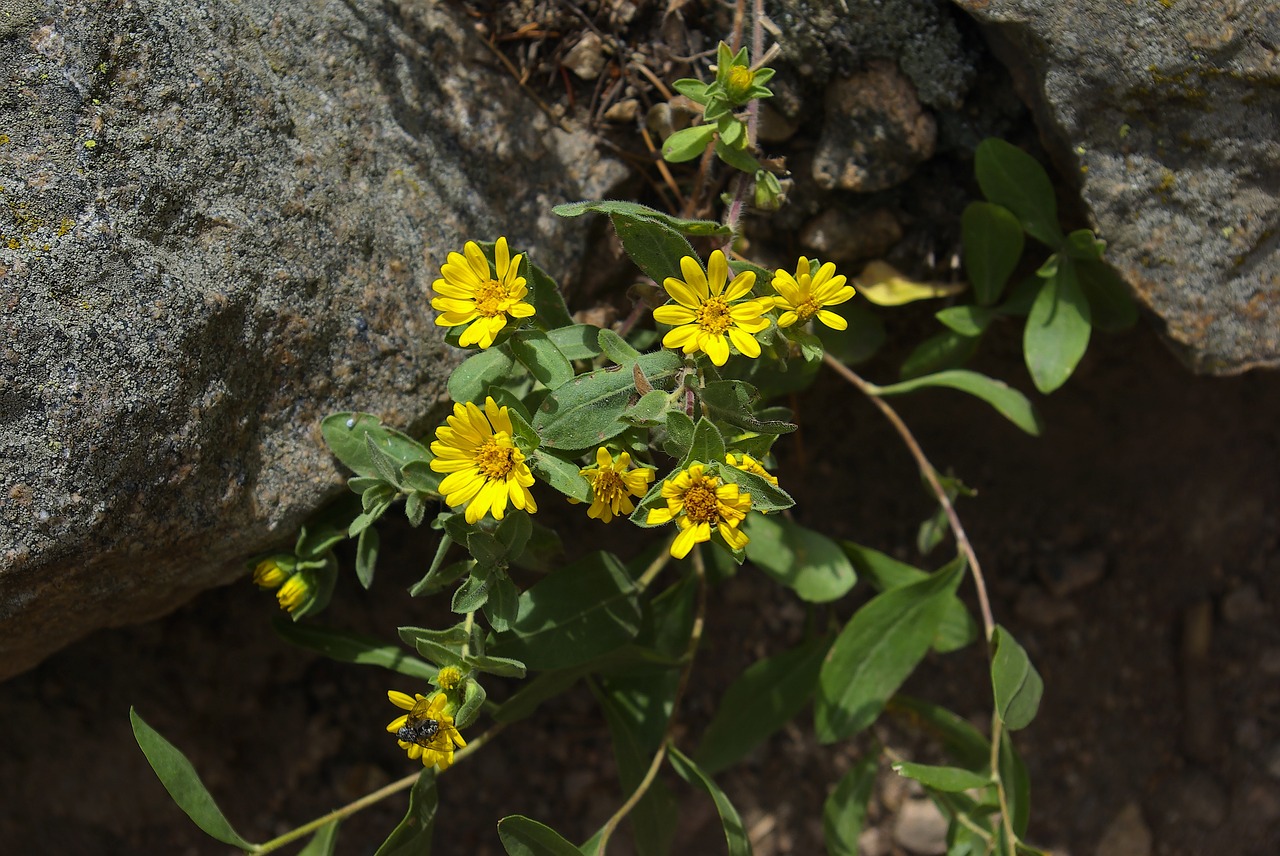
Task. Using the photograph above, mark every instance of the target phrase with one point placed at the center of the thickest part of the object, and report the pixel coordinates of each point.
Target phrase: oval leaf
(183, 783)
(948, 779)
(957, 628)
(876, 651)
(992, 239)
(585, 411)
(477, 373)
(1016, 682)
(765, 698)
(655, 248)
(1058, 329)
(535, 350)
(1010, 177)
(345, 434)
(805, 561)
(576, 613)
(524, 837)
(1011, 404)
(687, 144)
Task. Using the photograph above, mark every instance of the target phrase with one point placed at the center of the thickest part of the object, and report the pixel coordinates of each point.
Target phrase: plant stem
(931, 476)
(369, 799)
(695, 636)
(468, 624)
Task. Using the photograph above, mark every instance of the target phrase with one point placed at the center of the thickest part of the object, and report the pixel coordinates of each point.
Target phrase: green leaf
(1016, 682)
(549, 307)
(679, 434)
(345, 434)
(858, 342)
(971, 321)
(473, 593)
(1017, 785)
(1010, 177)
(503, 602)
(584, 412)
(1057, 331)
(415, 508)
(694, 90)
(503, 667)
(765, 496)
(957, 628)
(366, 556)
(960, 740)
(437, 578)
(514, 532)
(940, 352)
(733, 402)
(808, 562)
(653, 820)
(687, 144)
(325, 529)
(992, 239)
(876, 651)
(656, 249)
(734, 832)
(560, 474)
(418, 476)
(1083, 245)
(616, 348)
(1011, 404)
(323, 842)
(649, 411)
(535, 350)
(1111, 306)
(697, 228)
(707, 446)
(524, 837)
(845, 812)
(762, 700)
(352, 648)
(472, 700)
(183, 783)
(947, 779)
(731, 154)
(578, 612)
(577, 342)
(479, 372)
(412, 837)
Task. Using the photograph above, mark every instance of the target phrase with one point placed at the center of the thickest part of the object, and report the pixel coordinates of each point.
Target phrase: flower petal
(695, 278)
(832, 320)
(673, 315)
(717, 272)
(744, 342)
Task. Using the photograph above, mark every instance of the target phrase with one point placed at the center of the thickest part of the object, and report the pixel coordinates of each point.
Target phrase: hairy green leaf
(698, 228)
(584, 412)
(655, 248)
(687, 144)
(535, 350)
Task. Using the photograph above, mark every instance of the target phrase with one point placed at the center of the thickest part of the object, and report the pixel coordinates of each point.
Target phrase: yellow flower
(268, 574)
(739, 82)
(449, 677)
(426, 732)
(611, 482)
(697, 500)
(804, 296)
(470, 293)
(294, 593)
(485, 468)
(749, 464)
(706, 311)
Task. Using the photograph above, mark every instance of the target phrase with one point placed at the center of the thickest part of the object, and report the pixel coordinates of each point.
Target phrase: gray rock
(874, 133)
(220, 223)
(1168, 116)
(1126, 835)
(841, 235)
(921, 828)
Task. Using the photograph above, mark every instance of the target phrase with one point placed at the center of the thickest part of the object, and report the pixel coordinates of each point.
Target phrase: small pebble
(921, 828)
(1126, 835)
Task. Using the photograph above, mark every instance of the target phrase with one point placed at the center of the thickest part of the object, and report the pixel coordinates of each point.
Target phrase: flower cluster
(707, 316)
(280, 572)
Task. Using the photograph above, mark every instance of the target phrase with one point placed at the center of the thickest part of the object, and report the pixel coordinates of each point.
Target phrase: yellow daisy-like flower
(697, 501)
(471, 292)
(268, 574)
(613, 483)
(803, 296)
(748, 464)
(294, 593)
(707, 315)
(485, 468)
(426, 732)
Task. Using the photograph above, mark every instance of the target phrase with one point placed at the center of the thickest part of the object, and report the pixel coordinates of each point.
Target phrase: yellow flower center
(713, 316)
(491, 298)
(808, 308)
(701, 505)
(607, 484)
(740, 80)
(449, 677)
(496, 457)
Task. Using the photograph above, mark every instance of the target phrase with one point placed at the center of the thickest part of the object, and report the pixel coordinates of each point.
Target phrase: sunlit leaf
(1010, 177)
(1058, 329)
(882, 284)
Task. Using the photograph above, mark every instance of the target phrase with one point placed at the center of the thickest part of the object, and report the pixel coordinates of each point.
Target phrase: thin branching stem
(691, 649)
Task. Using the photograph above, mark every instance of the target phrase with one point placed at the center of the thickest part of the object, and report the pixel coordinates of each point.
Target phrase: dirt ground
(1134, 550)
